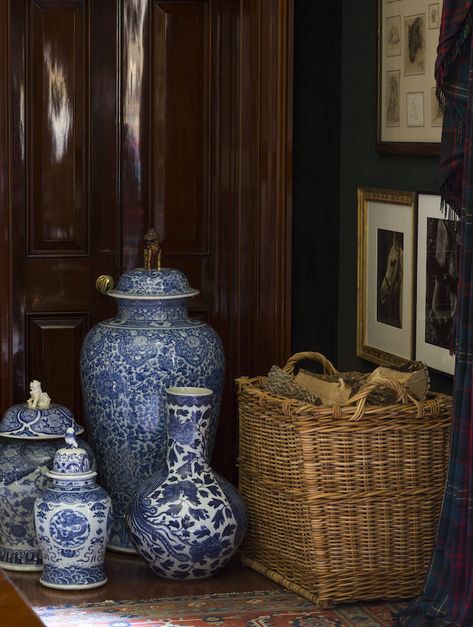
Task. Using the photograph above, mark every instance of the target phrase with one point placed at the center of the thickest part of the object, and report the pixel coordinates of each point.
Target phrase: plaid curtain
(447, 598)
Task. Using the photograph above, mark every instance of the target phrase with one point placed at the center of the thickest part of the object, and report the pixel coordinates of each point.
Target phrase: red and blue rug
(269, 608)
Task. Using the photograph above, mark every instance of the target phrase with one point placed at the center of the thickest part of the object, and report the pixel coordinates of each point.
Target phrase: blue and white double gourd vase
(73, 520)
(186, 521)
(126, 365)
(30, 435)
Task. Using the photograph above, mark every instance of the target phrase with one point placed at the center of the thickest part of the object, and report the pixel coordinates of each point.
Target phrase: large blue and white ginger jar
(73, 519)
(29, 439)
(126, 365)
(186, 521)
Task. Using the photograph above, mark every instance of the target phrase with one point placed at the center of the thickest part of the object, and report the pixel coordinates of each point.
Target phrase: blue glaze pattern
(24, 465)
(166, 282)
(126, 365)
(186, 521)
(72, 463)
(73, 521)
(21, 422)
(73, 576)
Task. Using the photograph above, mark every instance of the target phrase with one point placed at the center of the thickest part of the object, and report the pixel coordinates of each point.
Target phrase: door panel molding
(56, 123)
(57, 334)
(180, 122)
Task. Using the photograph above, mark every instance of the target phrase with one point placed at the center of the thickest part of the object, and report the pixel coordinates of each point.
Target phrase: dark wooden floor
(130, 578)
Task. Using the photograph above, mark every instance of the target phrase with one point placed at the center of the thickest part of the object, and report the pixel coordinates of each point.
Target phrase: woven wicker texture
(343, 501)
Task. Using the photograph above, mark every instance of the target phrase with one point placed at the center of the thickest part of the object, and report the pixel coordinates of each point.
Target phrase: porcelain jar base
(124, 550)
(23, 567)
(73, 578)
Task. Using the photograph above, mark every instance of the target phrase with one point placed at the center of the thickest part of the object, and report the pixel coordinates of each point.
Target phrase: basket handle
(361, 397)
(328, 367)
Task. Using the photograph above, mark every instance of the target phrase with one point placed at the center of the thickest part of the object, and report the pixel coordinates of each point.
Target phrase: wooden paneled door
(116, 115)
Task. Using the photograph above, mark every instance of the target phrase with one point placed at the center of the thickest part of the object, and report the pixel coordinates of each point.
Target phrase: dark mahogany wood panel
(64, 181)
(265, 216)
(174, 114)
(61, 336)
(5, 239)
(56, 122)
(220, 282)
(180, 122)
(211, 80)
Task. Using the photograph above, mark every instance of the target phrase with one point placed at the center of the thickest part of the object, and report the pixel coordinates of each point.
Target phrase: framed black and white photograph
(409, 118)
(386, 236)
(437, 273)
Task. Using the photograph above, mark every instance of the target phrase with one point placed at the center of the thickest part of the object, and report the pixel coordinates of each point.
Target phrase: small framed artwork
(437, 274)
(409, 118)
(386, 236)
(434, 15)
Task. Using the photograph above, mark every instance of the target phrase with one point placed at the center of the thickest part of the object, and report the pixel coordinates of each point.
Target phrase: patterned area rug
(270, 608)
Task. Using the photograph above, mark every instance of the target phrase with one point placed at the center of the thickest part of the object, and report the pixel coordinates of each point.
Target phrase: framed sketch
(437, 273)
(409, 117)
(386, 236)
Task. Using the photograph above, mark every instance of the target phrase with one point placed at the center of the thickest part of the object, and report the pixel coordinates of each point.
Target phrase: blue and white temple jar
(186, 521)
(73, 519)
(126, 365)
(29, 438)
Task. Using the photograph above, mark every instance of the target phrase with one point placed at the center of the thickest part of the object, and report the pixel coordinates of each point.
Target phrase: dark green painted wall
(317, 57)
(335, 111)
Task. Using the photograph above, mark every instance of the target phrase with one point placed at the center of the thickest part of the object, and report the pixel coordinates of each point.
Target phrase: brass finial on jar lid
(152, 252)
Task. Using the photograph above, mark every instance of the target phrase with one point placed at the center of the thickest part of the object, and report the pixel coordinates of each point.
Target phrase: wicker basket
(343, 501)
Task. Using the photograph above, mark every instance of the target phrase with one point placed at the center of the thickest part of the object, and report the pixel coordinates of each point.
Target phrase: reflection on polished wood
(56, 109)
(14, 610)
(130, 578)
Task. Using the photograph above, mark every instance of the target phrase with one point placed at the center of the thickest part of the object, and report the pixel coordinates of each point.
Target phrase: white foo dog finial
(38, 398)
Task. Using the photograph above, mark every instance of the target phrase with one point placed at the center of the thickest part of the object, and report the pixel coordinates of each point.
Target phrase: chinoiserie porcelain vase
(73, 519)
(186, 521)
(126, 365)
(30, 435)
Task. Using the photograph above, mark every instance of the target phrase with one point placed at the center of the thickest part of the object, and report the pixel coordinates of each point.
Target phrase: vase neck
(188, 433)
(153, 310)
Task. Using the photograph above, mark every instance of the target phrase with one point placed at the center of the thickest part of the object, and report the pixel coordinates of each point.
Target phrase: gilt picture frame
(437, 282)
(409, 116)
(386, 275)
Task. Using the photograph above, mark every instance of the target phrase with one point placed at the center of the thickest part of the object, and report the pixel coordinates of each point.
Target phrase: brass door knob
(104, 283)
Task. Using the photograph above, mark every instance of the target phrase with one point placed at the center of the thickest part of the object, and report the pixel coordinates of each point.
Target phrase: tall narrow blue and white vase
(186, 521)
(73, 521)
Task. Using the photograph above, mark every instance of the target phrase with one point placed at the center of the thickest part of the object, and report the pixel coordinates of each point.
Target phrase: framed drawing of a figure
(437, 275)
(409, 117)
(386, 236)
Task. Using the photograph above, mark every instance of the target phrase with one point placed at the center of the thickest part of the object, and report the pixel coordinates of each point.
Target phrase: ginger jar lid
(38, 418)
(71, 460)
(153, 284)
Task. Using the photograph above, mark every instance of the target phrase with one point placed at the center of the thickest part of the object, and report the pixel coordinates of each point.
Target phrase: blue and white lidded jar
(126, 365)
(30, 435)
(73, 520)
